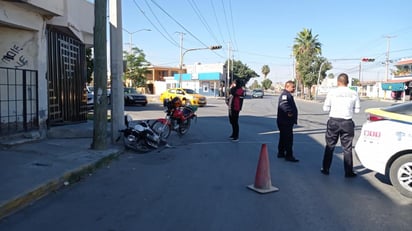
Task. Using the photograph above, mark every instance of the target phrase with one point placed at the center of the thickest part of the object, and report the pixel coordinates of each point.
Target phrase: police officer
(341, 103)
(287, 117)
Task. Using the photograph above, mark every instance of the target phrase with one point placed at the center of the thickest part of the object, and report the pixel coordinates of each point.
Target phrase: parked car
(186, 95)
(132, 97)
(90, 97)
(385, 144)
(257, 93)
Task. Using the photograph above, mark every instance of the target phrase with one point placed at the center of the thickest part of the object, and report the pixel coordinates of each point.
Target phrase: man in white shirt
(341, 103)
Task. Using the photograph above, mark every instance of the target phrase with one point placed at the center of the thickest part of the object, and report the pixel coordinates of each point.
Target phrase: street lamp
(216, 47)
(131, 36)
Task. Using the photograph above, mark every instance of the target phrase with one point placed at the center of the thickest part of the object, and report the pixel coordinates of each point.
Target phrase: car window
(130, 91)
(190, 91)
(405, 109)
(179, 92)
(172, 91)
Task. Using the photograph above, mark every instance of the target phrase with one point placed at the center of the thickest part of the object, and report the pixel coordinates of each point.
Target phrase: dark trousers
(345, 130)
(285, 140)
(234, 121)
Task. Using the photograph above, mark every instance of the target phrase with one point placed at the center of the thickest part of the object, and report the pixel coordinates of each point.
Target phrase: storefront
(399, 88)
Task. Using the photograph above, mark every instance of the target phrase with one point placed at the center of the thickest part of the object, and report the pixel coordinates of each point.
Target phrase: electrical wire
(178, 23)
(156, 28)
(161, 25)
(217, 21)
(202, 19)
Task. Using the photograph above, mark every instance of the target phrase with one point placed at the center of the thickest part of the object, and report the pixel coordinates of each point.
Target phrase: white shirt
(342, 102)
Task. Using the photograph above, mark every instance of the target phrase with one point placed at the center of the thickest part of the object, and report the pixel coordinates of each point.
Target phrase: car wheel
(400, 174)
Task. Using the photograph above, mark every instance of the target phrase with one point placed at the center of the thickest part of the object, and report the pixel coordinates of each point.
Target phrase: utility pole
(387, 60)
(181, 58)
(116, 67)
(100, 77)
(228, 70)
(387, 55)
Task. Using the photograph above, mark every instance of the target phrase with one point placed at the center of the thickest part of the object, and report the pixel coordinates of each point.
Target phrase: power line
(217, 21)
(158, 21)
(233, 25)
(156, 28)
(178, 23)
(226, 21)
(202, 19)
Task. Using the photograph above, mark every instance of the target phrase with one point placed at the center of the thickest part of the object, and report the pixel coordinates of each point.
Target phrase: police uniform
(287, 116)
(341, 103)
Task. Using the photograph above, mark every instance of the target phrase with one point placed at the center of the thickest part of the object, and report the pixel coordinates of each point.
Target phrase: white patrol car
(385, 144)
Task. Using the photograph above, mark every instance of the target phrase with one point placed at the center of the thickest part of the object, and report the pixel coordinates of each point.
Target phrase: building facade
(42, 64)
(206, 79)
(401, 83)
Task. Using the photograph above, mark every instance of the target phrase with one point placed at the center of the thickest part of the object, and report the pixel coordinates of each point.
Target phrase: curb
(71, 176)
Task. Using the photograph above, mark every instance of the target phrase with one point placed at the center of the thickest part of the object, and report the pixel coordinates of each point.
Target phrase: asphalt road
(200, 183)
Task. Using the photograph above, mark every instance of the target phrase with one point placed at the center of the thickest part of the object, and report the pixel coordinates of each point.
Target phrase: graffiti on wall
(14, 55)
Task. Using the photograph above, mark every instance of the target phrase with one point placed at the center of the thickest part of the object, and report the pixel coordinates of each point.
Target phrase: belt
(339, 119)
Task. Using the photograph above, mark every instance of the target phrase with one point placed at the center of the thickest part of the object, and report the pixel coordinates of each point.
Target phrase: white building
(42, 65)
(206, 79)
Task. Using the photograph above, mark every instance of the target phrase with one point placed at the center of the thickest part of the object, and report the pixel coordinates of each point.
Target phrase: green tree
(241, 71)
(255, 85)
(89, 64)
(355, 82)
(266, 83)
(306, 48)
(265, 71)
(136, 67)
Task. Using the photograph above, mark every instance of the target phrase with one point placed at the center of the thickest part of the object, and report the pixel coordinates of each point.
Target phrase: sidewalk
(30, 169)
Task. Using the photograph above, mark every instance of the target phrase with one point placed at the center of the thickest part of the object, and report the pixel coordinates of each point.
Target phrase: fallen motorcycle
(141, 136)
(178, 118)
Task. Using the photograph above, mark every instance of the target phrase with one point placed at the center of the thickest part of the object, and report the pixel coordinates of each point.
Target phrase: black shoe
(350, 175)
(291, 159)
(324, 171)
(281, 155)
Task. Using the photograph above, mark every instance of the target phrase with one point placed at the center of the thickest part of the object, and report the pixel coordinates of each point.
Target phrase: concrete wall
(23, 38)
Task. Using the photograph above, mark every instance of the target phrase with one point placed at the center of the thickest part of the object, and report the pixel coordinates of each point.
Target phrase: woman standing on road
(234, 102)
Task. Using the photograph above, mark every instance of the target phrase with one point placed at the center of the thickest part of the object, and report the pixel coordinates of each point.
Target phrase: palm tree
(305, 49)
(265, 71)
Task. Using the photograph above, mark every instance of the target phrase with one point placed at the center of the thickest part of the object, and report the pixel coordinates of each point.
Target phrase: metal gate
(66, 78)
(19, 104)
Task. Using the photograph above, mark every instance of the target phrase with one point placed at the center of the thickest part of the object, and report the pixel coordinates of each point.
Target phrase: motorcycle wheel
(163, 130)
(139, 145)
(184, 127)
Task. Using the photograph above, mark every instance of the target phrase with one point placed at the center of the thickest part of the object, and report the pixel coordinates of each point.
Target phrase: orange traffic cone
(263, 183)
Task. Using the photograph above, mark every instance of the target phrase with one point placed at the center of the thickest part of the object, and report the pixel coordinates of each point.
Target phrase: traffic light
(368, 60)
(217, 47)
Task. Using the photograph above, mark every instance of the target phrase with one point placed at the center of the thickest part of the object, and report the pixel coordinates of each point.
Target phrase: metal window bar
(18, 100)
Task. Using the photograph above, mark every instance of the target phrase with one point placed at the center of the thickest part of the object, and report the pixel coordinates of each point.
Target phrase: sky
(262, 32)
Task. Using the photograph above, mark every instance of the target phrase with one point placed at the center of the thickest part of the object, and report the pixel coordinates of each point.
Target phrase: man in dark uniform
(287, 117)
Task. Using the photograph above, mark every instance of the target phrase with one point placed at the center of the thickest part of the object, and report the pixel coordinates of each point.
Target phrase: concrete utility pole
(387, 61)
(228, 71)
(116, 67)
(100, 76)
(181, 58)
(387, 55)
